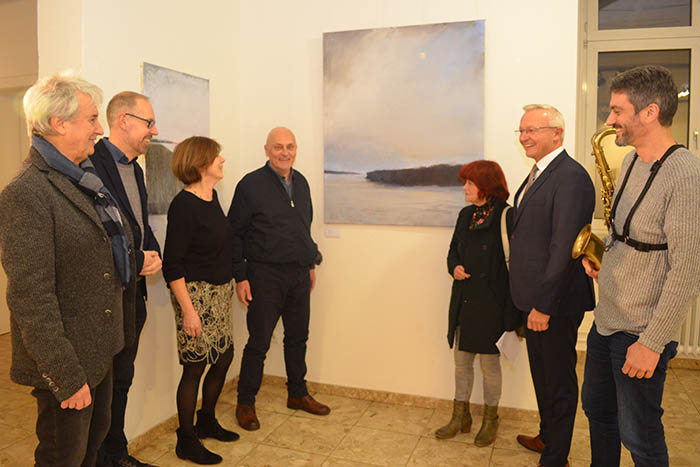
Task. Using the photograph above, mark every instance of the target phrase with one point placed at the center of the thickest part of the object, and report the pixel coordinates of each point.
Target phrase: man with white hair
(547, 285)
(68, 260)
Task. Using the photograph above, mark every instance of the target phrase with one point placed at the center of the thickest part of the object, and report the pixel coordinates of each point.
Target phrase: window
(621, 34)
(640, 14)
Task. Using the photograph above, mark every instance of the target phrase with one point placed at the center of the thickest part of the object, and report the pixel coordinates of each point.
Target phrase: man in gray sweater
(649, 275)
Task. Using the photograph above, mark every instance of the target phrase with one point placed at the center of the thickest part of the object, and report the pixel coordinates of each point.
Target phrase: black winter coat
(481, 305)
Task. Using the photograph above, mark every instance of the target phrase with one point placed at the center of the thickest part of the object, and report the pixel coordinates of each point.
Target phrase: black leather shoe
(189, 447)
(208, 427)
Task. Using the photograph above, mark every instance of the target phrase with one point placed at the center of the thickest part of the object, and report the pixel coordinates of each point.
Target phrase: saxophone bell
(589, 245)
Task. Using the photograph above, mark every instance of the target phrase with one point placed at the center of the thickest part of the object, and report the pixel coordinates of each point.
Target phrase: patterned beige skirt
(214, 305)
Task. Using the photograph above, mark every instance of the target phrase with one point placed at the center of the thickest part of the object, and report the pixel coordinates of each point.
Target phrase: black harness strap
(625, 237)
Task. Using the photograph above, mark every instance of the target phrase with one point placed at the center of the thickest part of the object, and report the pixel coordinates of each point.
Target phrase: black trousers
(115, 444)
(552, 355)
(278, 290)
(69, 437)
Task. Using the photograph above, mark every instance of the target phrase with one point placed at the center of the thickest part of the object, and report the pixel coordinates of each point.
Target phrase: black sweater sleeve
(177, 239)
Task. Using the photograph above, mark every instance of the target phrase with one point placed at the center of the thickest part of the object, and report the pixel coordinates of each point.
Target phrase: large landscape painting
(403, 111)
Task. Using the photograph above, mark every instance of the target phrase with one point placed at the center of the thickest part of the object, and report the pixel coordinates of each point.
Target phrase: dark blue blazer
(545, 224)
(107, 170)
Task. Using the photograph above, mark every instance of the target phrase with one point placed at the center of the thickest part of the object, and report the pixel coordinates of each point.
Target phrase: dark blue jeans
(69, 437)
(620, 408)
(278, 290)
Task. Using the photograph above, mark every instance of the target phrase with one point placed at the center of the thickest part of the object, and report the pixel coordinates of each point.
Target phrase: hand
(641, 361)
(459, 273)
(590, 268)
(243, 292)
(79, 400)
(191, 323)
(312, 275)
(537, 321)
(151, 263)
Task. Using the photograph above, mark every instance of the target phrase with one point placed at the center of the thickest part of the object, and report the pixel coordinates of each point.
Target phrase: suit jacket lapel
(539, 181)
(141, 184)
(66, 187)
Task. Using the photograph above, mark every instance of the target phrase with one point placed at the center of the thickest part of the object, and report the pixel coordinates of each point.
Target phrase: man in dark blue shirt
(273, 261)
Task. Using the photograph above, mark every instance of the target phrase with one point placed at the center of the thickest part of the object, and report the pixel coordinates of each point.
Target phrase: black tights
(188, 388)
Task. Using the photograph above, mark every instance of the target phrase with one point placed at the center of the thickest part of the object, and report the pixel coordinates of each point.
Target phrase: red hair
(488, 177)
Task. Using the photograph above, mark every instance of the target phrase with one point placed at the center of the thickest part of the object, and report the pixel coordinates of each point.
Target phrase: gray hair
(56, 96)
(124, 101)
(556, 119)
(649, 84)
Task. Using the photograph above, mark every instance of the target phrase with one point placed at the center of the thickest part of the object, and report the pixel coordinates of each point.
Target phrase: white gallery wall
(379, 313)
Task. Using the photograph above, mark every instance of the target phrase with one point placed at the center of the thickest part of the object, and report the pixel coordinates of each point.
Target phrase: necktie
(530, 179)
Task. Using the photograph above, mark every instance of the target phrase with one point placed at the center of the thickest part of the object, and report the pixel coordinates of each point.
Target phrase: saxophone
(587, 243)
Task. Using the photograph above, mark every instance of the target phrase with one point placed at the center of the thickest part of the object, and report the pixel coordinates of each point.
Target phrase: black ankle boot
(208, 427)
(189, 447)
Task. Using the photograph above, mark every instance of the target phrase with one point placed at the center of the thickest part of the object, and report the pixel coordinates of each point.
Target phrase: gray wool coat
(63, 290)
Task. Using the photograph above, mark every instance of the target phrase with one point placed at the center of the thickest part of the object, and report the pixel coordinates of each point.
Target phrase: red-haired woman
(480, 305)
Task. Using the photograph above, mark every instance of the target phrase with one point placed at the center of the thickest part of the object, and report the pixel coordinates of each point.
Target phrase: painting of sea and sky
(403, 111)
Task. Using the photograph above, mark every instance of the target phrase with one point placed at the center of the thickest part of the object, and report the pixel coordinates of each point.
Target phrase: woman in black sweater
(480, 305)
(198, 269)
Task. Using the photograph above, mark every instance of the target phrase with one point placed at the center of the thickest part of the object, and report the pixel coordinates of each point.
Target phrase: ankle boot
(489, 427)
(461, 421)
(208, 427)
(189, 447)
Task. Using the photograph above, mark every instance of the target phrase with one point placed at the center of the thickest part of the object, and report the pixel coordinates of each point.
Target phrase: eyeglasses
(149, 123)
(530, 131)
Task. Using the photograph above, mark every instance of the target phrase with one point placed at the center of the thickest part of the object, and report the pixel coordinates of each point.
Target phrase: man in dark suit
(132, 125)
(547, 285)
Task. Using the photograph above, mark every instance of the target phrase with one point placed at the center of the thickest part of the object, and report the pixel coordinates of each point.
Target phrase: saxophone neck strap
(639, 246)
(625, 237)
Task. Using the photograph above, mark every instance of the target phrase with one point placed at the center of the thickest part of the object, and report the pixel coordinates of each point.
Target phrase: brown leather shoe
(245, 414)
(308, 404)
(531, 443)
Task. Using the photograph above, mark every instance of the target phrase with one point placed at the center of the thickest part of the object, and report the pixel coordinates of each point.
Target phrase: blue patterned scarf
(87, 180)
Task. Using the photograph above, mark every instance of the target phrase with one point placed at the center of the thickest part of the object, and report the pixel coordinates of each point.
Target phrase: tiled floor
(358, 432)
